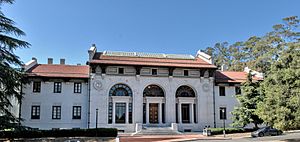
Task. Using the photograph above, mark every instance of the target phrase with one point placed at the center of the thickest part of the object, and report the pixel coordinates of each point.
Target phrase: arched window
(185, 91)
(153, 91)
(120, 90)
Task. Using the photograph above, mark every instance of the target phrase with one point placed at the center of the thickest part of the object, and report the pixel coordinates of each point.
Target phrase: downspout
(89, 99)
(214, 102)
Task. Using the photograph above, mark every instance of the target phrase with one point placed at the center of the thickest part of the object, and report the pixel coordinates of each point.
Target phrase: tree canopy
(10, 77)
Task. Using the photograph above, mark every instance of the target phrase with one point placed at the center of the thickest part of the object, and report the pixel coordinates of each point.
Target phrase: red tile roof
(61, 71)
(232, 76)
(99, 58)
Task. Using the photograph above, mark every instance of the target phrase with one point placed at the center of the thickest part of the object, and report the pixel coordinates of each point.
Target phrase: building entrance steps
(157, 130)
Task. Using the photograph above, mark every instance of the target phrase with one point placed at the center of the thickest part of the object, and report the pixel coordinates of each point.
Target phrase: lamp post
(223, 112)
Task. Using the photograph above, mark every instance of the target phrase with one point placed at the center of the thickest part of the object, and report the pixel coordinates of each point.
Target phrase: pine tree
(245, 113)
(10, 77)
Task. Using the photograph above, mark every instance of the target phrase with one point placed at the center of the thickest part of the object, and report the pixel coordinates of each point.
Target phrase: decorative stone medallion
(97, 85)
(205, 87)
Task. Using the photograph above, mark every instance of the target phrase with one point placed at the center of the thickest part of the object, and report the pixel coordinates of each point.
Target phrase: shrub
(99, 132)
(215, 131)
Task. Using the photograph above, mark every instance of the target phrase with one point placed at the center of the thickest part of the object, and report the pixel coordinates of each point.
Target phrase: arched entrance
(186, 105)
(154, 105)
(120, 104)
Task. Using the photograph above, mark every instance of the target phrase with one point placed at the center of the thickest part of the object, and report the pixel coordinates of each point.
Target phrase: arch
(185, 91)
(153, 91)
(120, 90)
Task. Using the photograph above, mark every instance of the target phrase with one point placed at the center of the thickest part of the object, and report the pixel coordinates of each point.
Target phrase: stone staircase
(157, 130)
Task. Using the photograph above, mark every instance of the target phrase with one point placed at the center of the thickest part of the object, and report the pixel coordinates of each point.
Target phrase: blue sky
(67, 28)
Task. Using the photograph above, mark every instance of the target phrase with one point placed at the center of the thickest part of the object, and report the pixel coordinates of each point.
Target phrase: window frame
(34, 85)
(35, 111)
(238, 90)
(120, 105)
(77, 87)
(222, 92)
(57, 87)
(56, 112)
(76, 113)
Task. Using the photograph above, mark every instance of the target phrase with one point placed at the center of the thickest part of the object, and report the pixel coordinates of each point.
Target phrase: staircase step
(157, 131)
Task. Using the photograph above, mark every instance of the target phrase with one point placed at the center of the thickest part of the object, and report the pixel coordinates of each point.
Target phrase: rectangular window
(195, 113)
(223, 113)
(57, 87)
(221, 90)
(36, 86)
(35, 112)
(110, 109)
(163, 113)
(56, 112)
(237, 90)
(76, 112)
(144, 113)
(154, 71)
(176, 113)
(186, 72)
(120, 112)
(77, 87)
(130, 113)
(121, 70)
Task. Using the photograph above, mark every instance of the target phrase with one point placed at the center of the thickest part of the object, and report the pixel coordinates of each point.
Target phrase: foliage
(257, 53)
(99, 132)
(215, 131)
(10, 77)
(245, 112)
(281, 105)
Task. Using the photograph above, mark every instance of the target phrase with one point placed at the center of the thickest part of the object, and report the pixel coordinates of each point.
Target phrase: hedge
(99, 132)
(215, 131)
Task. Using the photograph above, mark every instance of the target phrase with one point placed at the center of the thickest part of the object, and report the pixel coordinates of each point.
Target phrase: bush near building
(99, 132)
(216, 131)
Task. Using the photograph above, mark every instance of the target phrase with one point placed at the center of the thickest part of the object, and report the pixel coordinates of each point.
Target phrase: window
(130, 113)
(121, 70)
(56, 112)
(36, 86)
(57, 87)
(237, 90)
(223, 113)
(195, 113)
(163, 113)
(186, 72)
(221, 90)
(120, 112)
(154, 71)
(110, 109)
(144, 113)
(76, 112)
(35, 112)
(77, 87)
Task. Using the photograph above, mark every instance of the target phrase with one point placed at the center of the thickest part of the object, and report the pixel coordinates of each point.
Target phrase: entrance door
(153, 113)
(185, 110)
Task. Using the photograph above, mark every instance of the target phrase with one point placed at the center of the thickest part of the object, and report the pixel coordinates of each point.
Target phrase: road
(287, 137)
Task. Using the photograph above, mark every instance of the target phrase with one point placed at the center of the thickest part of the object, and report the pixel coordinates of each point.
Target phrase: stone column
(179, 113)
(127, 113)
(114, 113)
(159, 113)
(147, 112)
(192, 112)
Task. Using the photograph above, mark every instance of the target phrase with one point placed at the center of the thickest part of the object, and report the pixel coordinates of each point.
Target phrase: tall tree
(281, 105)
(245, 112)
(10, 77)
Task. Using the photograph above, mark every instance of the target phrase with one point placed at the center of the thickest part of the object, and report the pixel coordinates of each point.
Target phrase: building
(130, 90)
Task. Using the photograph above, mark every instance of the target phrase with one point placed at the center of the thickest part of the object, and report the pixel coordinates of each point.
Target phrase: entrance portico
(154, 110)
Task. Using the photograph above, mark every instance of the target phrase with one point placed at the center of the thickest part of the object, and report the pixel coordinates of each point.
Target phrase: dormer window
(186, 72)
(121, 70)
(154, 71)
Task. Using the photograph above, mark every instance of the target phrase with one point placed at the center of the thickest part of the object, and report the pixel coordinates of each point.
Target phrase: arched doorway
(120, 104)
(154, 105)
(186, 105)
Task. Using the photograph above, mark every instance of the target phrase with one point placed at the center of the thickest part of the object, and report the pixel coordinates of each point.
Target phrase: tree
(245, 112)
(281, 106)
(10, 77)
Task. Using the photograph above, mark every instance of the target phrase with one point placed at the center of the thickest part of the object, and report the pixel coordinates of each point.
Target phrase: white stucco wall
(46, 99)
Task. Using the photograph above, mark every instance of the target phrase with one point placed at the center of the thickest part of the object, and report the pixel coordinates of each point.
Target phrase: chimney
(30, 64)
(62, 61)
(207, 58)
(224, 67)
(92, 51)
(50, 61)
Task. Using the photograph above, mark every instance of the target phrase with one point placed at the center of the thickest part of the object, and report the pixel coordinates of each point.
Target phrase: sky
(67, 28)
